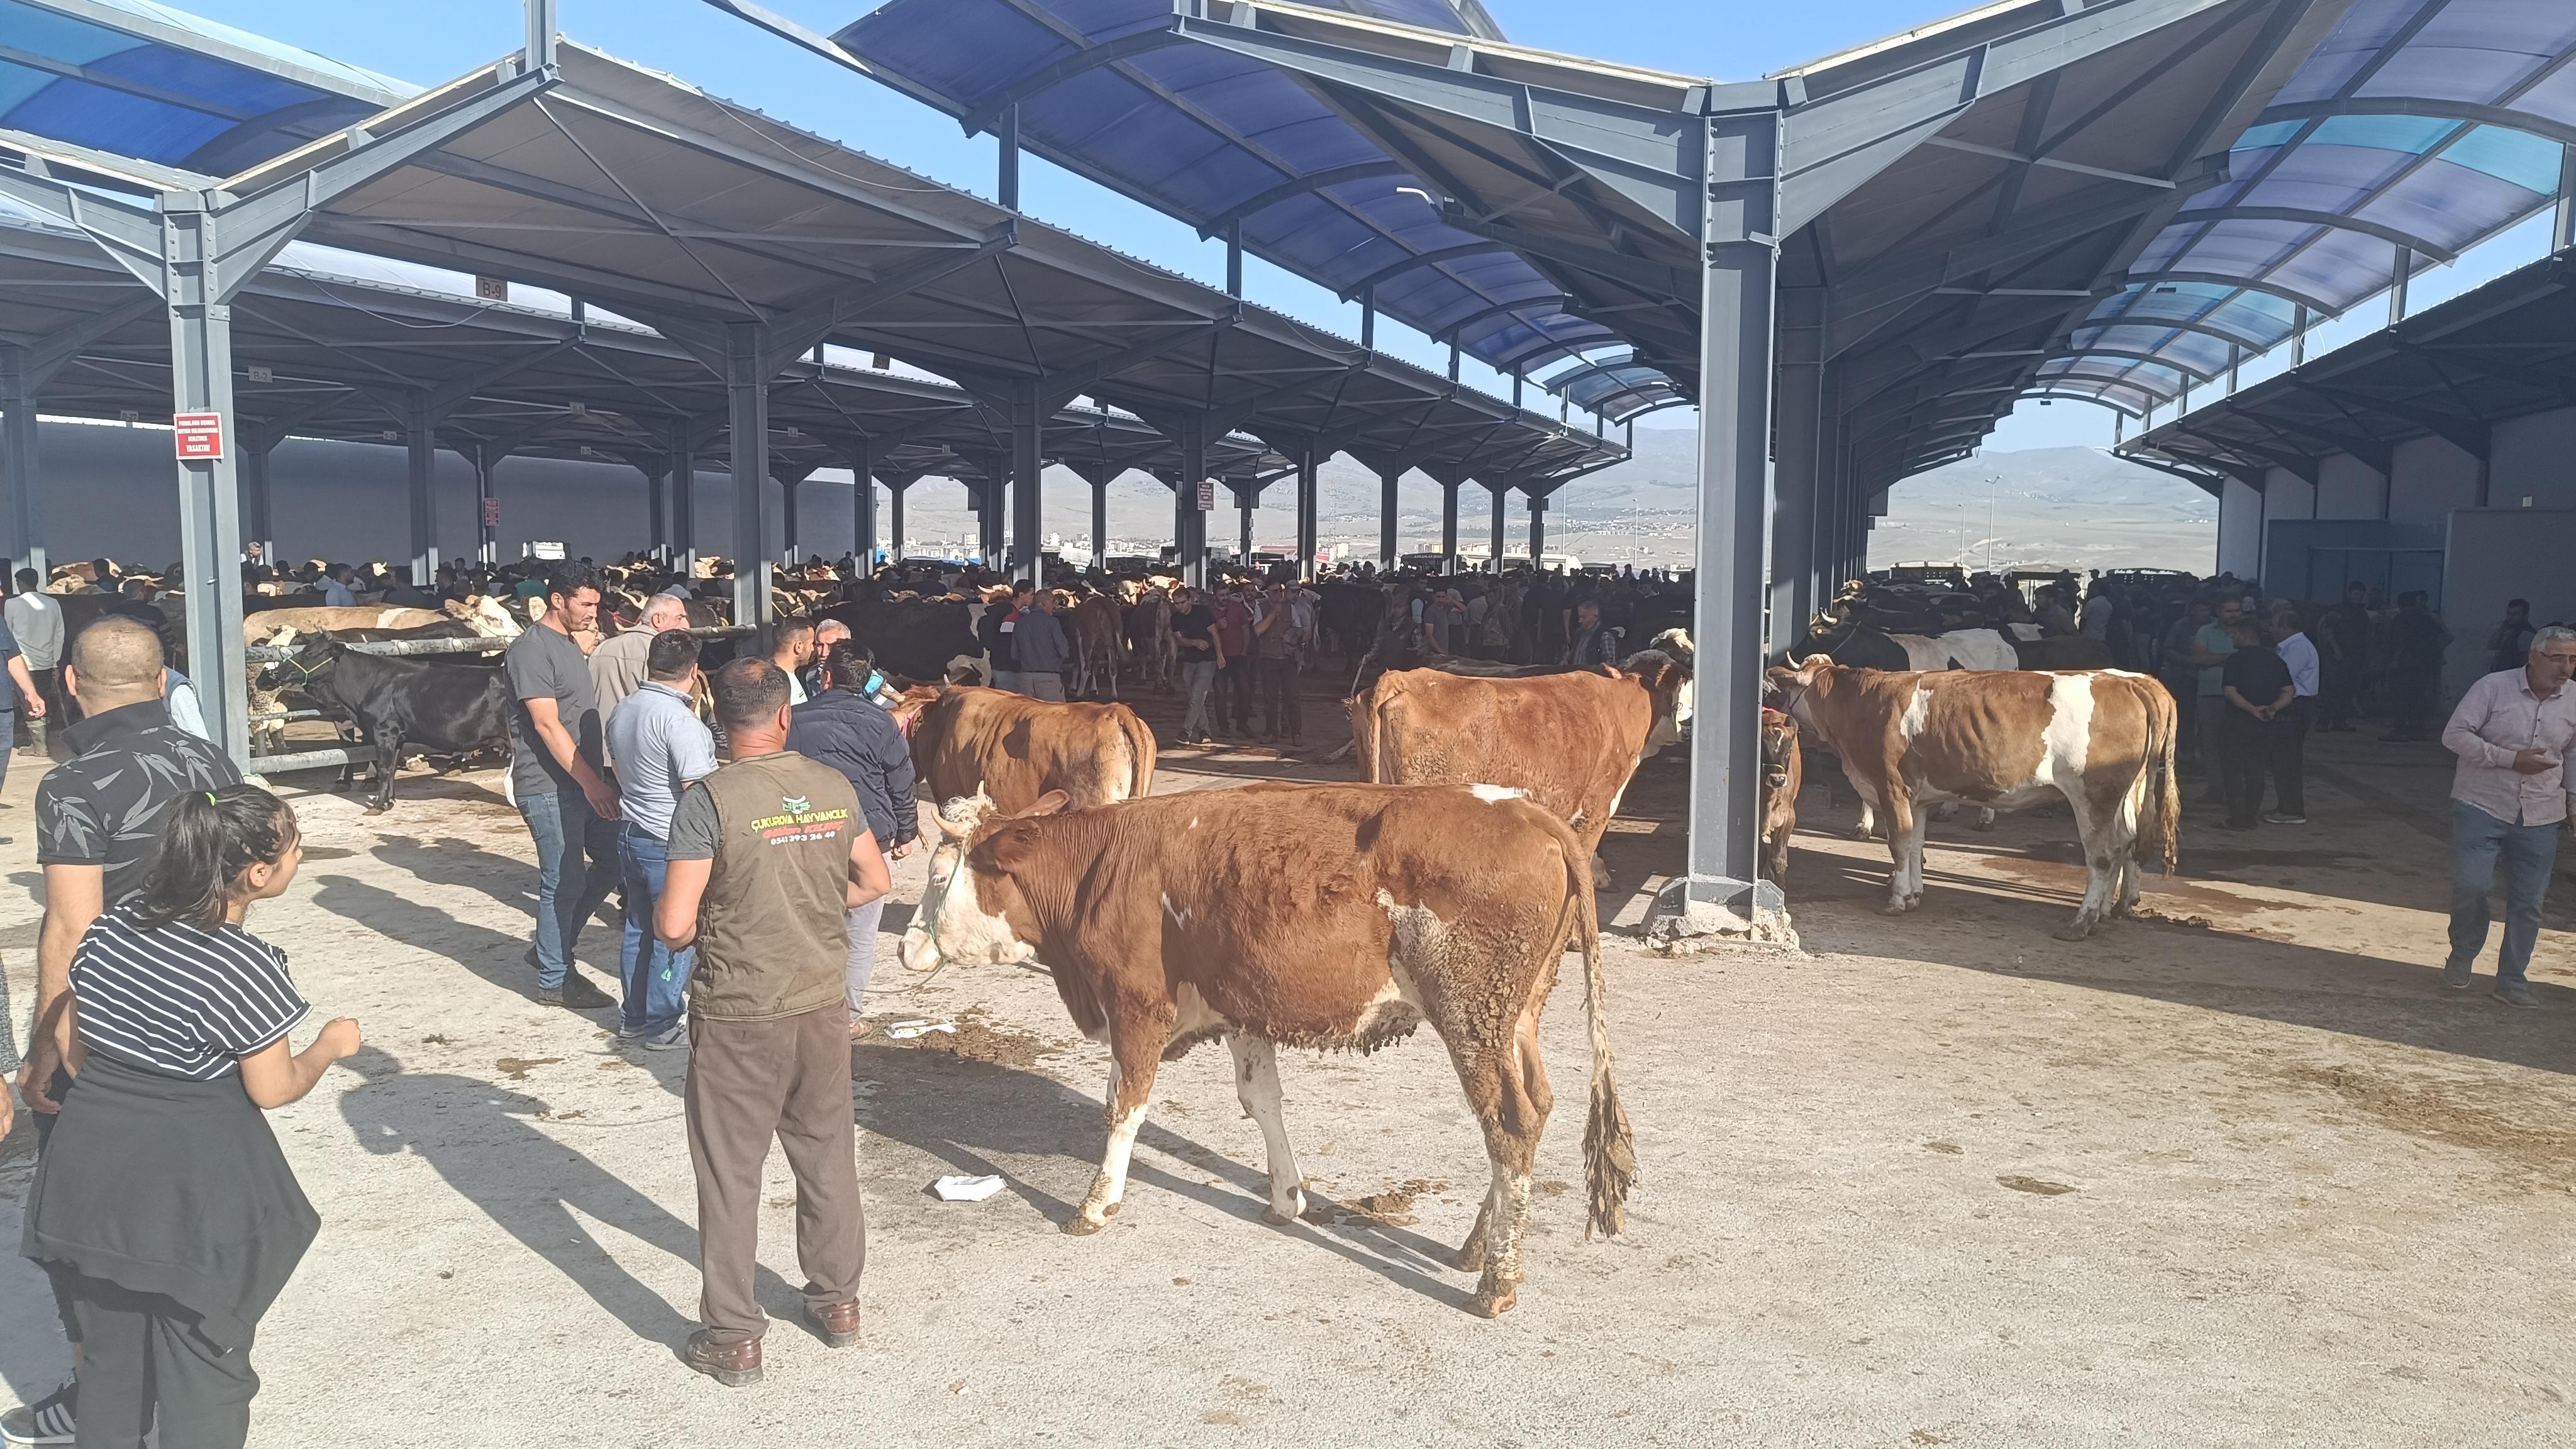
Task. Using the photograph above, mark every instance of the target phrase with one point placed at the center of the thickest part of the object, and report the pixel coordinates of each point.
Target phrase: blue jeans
(652, 973)
(2529, 852)
(576, 869)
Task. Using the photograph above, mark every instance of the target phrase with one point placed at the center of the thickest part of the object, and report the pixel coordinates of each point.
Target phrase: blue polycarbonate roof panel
(2417, 128)
(1211, 137)
(153, 83)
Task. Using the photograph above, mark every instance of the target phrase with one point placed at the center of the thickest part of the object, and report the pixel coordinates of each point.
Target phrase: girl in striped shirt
(163, 1205)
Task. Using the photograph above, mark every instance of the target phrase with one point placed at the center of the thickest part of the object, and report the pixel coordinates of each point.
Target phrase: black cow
(914, 639)
(1858, 646)
(441, 710)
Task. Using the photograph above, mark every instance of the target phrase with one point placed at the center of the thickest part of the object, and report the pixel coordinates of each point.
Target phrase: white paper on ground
(966, 1189)
(907, 1030)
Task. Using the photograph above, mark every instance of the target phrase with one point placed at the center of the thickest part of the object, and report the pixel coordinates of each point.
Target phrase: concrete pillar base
(1694, 914)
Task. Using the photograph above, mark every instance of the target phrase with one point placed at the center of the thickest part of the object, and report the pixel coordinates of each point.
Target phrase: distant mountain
(2076, 506)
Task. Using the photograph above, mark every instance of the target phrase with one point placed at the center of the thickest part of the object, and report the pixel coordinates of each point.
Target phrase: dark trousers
(2290, 755)
(2244, 748)
(1234, 691)
(61, 1278)
(2410, 702)
(2338, 680)
(141, 1359)
(1280, 711)
(2186, 695)
(2210, 714)
(750, 1081)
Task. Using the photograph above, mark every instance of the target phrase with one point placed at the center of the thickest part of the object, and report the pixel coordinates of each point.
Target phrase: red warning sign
(199, 435)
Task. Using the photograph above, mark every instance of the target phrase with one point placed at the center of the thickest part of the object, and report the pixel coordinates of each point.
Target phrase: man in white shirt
(37, 620)
(2290, 727)
(617, 665)
(2509, 797)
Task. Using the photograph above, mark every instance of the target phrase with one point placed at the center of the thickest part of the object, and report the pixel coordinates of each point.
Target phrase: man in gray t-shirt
(562, 788)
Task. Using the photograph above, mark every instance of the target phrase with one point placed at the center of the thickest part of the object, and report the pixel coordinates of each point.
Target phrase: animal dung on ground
(2041, 1186)
(958, 1188)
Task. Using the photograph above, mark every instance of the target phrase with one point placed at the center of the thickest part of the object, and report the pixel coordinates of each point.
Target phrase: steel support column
(21, 462)
(747, 412)
(1797, 427)
(1386, 546)
(1449, 525)
(1739, 259)
(1538, 529)
(487, 489)
(894, 520)
(1494, 546)
(420, 446)
(201, 381)
(787, 518)
(1825, 559)
(1189, 524)
(685, 441)
(1245, 500)
(1308, 499)
(1028, 467)
(657, 498)
(256, 527)
(863, 507)
(1100, 523)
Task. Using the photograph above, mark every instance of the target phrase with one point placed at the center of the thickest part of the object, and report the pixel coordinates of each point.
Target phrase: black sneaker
(46, 1421)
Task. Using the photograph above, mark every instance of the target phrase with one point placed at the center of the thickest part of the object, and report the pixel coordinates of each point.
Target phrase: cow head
(308, 662)
(1791, 684)
(1665, 670)
(965, 910)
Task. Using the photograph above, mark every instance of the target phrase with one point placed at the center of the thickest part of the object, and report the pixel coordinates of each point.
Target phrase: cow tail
(2164, 785)
(1363, 707)
(1609, 1148)
(1140, 752)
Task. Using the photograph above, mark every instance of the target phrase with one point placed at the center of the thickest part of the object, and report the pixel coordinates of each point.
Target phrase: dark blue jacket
(849, 732)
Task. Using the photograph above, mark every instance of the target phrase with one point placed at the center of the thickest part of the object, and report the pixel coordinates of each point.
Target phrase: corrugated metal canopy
(2418, 129)
(2452, 371)
(343, 353)
(1101, 88)
(138, 80)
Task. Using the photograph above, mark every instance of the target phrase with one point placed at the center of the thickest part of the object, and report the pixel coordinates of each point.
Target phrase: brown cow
(1322, 916)
(993, 742)
(1571, 740)
(1784, 773)
(1095, 647)
(256, 628)
(2103, 739)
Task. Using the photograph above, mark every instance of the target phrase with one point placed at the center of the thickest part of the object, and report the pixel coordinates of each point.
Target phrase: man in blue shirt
(660, 747)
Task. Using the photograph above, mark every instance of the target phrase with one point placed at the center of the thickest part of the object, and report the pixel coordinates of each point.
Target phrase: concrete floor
(2238, 1175)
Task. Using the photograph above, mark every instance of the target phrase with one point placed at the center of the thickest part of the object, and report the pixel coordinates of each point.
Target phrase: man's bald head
(115, 661)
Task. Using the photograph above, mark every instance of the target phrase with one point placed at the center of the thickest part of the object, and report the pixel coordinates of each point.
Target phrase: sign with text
(198, 435)
(491, 513)
(1207, 495)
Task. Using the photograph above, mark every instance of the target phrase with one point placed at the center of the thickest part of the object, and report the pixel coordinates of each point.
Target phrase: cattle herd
(1442, 890)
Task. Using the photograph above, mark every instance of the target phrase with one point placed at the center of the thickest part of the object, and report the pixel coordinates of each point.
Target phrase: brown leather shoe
(732, 1365)
(838, 1323)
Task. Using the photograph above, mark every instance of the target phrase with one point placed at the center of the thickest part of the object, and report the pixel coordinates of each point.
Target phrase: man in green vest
(766, 855)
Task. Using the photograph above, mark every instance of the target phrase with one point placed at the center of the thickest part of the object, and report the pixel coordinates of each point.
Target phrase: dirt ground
(2241, 1174)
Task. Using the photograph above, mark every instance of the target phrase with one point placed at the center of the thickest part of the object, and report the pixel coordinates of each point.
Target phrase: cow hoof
(2075, 932)
(1277, 1219)
(1496, 1301)
(1895, 908)
(1110, 1211)
(376, 809)
(1082, 1227)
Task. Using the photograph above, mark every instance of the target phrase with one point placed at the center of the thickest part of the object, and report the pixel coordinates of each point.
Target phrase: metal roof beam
(1293, 188)
(2426, 107)
(2470, 435)
(2394, 236)
(1420, 259)
(2326, 311)
(987, 109)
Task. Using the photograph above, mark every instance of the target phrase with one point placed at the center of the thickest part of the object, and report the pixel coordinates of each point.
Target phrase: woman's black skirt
(168, 1186)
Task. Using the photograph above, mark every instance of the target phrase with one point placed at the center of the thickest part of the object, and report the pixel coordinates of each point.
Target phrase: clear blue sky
(430, 41)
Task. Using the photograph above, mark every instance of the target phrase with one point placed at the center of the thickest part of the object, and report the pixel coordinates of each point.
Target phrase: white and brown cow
(2103, 739)
(971, 741)
(1570, 740)
(1319, 916)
